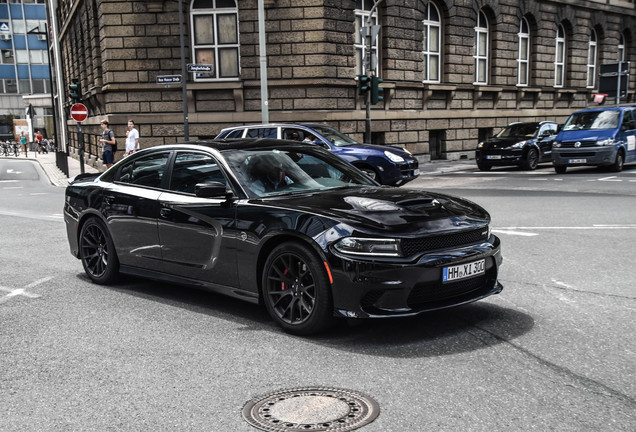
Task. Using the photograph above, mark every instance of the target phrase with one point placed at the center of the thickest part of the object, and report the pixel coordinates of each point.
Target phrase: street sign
(169, 79)
(199, 68)
(79, 112)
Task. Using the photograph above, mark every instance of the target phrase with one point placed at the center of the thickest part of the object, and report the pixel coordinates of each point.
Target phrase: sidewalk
(55, 175)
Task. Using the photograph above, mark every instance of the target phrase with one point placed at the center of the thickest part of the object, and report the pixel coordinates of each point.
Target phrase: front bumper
(596, 156)
(372, 289)
(499, 157)
(400, 173)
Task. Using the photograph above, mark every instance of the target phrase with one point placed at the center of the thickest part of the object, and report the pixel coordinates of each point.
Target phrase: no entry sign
(79, 112)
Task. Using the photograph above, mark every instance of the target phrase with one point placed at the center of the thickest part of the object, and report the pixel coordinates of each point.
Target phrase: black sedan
(282, 223)
(523, 144)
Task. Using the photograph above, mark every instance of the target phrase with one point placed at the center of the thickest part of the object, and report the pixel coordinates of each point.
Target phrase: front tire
(617, 166)
(560, 169)
(97, 252)
(532, 160)
(483, 166)
(296, 289)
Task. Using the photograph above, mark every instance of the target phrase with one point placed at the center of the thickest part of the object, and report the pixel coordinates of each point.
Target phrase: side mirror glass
(210, 190)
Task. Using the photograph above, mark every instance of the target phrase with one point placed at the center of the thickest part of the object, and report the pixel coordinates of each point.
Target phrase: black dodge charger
(285, 224)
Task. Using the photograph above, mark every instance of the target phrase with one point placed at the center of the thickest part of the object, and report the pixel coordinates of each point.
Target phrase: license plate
(493, 157)
(416, 172)
(576, 161)
(463, 271)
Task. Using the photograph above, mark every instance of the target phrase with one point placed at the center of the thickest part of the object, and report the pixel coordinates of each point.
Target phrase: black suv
(523, 144)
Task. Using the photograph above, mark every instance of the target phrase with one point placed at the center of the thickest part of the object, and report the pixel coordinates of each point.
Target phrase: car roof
(307, 125)
(242, 144)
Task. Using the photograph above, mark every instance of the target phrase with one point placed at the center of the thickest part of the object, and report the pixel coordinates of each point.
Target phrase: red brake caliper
(283, 285)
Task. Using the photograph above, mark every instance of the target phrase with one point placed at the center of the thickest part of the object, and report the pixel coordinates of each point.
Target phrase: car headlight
(520, 144)
(556, 144)
(393, 157)
(480, 145)
(368, 246)
(605, 142)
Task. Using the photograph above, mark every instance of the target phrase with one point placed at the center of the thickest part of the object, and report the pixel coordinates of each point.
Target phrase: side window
(293, 134)
(261, 133)
(191, 168)
(146, 171)
(235, 134)
(547, 129)
(628, 120)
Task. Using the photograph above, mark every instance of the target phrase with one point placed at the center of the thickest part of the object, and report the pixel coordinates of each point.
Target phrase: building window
(363, 11)
(591, 60)
(559, 58)
(215, 38)
(621, 48)
(523, 58)
(6, 57)
(432, 44)
(481, 49)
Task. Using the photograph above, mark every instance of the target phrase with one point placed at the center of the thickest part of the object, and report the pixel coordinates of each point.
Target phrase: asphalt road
(554, 351)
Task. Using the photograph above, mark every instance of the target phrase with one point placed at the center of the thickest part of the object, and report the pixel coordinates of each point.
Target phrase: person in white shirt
(132, 138)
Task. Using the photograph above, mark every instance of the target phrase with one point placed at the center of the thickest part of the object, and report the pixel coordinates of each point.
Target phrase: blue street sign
(199, 68)
(169, 79)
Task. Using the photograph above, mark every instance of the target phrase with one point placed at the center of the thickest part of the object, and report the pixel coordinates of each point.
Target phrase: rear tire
(296, 289)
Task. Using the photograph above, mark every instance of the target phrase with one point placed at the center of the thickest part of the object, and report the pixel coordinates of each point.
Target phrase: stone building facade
(454, 70)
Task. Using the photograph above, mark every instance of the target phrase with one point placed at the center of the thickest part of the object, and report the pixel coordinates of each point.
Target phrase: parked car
(286, 224)
(604, 136)
(389, 165)
(523, 144)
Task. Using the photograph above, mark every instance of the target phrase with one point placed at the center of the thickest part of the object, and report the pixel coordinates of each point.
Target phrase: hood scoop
(419, 203)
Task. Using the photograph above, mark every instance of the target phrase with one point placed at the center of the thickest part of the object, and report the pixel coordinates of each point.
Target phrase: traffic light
(75, 90)
(376, 90)
(363, 84)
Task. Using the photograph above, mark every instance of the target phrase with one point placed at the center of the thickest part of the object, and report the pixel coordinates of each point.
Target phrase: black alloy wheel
(97, 252)
(370, 172)
(532, 159)
(296, 289)
(617, 166)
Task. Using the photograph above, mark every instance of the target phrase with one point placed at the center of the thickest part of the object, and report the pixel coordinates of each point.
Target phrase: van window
(592, 120)
(261, 133)
(628, 120)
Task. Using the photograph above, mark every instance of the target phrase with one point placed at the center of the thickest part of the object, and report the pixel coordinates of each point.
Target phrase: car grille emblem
(577, 144)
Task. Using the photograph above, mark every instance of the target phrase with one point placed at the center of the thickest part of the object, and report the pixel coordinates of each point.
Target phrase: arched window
(559, 58)
(621, 47)
(432, 44)
(215, 38)
(591, 60)
(363, 11)
(523, 57)
(481, 49)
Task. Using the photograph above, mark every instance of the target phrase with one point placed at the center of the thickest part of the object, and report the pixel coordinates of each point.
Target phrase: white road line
(593, 227)
(38, 193)
(517, 233)
(9, 181)
(610, 178)
(12, 292)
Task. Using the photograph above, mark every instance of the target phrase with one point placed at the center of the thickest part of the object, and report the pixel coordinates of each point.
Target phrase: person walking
(38, 140)
(132, 138)
(109, 144)
(24, 142)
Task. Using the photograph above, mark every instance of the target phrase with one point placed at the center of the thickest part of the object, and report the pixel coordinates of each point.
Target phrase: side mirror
(210, 190)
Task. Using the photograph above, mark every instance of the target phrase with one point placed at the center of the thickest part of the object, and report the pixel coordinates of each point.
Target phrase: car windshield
(337, 138)
(525, 130)
(267, 172)
(592, 120)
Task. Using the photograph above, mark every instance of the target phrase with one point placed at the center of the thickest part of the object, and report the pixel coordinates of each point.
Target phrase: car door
(133, 207)
(197, 234)
(629, 129)
(545, 138)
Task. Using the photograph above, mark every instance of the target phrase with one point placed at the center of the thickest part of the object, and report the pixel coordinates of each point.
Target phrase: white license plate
(416, 172)
(575, 161)
(463, 271)
(493, 157)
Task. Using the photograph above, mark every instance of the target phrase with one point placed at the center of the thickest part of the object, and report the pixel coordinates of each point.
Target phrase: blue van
(599, 137)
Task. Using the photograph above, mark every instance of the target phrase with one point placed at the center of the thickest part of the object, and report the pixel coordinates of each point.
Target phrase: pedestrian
(132, 138)
(23, 142)
(38, 140)
(109, 145)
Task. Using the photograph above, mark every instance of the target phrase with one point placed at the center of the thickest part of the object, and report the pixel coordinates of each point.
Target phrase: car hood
(389, 210)
(503, 142)
(585, 135)
(379, 148)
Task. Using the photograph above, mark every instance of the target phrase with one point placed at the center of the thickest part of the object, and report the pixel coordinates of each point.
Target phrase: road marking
(517, 233)
(13, 187)
(593, 227)
(9, 181)
(610, 178)
(38, 193)
(13, 292)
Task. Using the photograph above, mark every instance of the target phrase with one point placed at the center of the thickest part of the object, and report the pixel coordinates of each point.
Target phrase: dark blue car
(388, 165)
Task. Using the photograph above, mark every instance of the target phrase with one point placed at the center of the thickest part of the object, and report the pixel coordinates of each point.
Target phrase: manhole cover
(311, 409)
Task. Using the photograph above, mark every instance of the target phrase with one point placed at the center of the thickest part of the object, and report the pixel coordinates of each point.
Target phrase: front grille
(408, 168)
(578, 154)
(583, 144)
(411, 246)
(423, 294)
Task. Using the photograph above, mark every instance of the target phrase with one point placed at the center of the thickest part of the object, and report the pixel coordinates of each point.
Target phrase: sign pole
(184, 90)
(80, 138)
